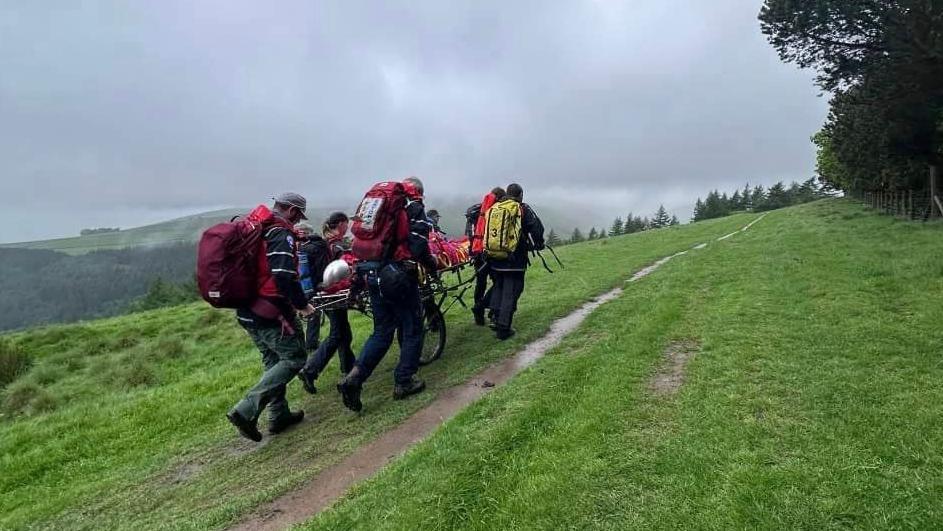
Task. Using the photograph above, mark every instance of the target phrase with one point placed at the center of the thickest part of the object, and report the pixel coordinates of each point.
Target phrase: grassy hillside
(811, 399)
(180, 230)
(119, 423)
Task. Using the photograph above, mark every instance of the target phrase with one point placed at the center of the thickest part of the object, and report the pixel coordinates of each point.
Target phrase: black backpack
(319, 256)
(471, 219)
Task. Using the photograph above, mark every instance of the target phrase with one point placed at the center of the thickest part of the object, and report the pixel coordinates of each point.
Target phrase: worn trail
(329, 485)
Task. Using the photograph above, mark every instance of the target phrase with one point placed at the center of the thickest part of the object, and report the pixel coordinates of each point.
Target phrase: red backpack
(478, 237)
(227, 260)
(380, 222)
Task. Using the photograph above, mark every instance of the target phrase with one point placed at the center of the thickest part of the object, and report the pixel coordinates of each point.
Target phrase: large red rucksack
(478, 236)
(379, 220)
(227, 260)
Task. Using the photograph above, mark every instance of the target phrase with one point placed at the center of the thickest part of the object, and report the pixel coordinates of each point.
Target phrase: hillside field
(811, 398)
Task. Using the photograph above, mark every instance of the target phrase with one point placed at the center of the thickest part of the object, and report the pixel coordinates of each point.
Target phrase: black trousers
(338, 340)
(482, 274)
(508, 287)
(313, 331)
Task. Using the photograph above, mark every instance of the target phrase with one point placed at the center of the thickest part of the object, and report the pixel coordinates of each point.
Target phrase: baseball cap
(292, 199)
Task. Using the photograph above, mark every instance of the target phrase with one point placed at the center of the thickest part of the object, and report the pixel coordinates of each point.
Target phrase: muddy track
(331, 484)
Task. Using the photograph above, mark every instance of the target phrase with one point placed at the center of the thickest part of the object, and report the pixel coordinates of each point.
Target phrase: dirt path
(331, 484)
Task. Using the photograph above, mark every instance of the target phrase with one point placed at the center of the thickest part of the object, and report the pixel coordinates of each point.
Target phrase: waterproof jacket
(417, 243)
(277, 275)
(532, 239)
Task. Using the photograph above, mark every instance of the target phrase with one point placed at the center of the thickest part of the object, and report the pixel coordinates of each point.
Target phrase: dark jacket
(418, 239)
(532, 239)
(282, 264)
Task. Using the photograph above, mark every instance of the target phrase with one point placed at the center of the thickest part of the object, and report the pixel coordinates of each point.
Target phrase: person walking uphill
(390, 238)
(313, 257)
(512, 230)
(272, 323)
(474, 229)
(340, 336)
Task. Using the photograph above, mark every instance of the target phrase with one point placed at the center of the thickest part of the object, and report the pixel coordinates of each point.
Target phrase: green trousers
(282, 356)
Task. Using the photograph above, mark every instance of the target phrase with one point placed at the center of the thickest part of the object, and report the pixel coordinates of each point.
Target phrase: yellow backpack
(503, 229)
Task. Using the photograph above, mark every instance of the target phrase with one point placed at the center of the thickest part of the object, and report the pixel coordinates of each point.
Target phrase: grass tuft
(13, 363)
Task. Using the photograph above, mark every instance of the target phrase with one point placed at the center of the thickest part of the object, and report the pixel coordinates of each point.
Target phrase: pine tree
(674, 221)
(553, 240)
(777, 197)
(736, 202)
(746, 199)
(661, 218)
(577, 236)
(592, 234)
(758, 198)
(712, 206)
(724, 205)
(698, 211)
(617, 228)
(645, 224)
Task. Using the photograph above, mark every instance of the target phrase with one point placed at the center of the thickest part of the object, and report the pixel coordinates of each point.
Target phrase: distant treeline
(757, 199)
(631, 224)
(41, 286)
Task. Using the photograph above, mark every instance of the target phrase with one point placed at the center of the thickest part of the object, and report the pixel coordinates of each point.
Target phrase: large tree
(883, 63)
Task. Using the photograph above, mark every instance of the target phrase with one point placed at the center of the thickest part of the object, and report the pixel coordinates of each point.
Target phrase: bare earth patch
(670, 376)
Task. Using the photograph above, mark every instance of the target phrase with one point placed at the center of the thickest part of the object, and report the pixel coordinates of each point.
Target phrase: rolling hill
(808, 396)
(187, 229)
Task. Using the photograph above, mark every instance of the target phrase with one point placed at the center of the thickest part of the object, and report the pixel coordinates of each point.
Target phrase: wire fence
(906, 204)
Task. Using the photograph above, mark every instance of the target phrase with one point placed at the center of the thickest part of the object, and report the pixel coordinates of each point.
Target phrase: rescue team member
(396, 307)
(482, 297)
(272, 324)
(508, 274)
(435, 217)
(340, 337)
(312, 258)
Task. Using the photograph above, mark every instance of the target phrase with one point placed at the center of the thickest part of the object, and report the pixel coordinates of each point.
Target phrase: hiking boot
(504, 333)
(307, 381)
(479, 317)
(350, 387)
(414, 386)
(282, 424)
(247, 428)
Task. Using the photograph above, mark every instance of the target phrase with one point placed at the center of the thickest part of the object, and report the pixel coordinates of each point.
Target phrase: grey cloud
(168, 106)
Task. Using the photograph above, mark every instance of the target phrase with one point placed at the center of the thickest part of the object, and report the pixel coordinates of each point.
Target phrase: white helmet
(335, 272)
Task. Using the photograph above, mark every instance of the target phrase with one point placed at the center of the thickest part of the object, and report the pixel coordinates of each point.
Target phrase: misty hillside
(41, 286)
(188, 229)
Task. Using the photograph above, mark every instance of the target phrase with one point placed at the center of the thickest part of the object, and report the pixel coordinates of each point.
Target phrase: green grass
(814, 401)
(119, 422)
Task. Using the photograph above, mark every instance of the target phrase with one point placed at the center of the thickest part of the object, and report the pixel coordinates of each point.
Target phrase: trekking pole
(557, 258)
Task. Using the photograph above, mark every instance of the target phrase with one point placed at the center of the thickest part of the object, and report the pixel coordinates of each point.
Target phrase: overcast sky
(124, 113)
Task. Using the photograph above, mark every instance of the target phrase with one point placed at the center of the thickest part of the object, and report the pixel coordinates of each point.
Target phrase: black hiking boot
(479, 317)
(282, 424)
(415, 385)
(247, 428)
(504, 333)
(350, 387)
(307, 381)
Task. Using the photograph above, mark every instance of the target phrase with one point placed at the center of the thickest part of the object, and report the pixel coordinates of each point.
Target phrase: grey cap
(304, 227)
(292, 199)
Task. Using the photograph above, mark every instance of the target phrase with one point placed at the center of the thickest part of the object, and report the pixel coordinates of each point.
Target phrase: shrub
(13, 363)
(168, 348)
(44, 374)
(19, 396)
(133, 374)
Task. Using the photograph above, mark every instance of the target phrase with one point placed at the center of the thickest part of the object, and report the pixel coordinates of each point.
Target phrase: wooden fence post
(935, 209)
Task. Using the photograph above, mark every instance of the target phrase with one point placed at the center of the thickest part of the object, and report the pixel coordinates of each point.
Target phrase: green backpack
(503, 229)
